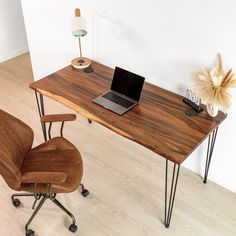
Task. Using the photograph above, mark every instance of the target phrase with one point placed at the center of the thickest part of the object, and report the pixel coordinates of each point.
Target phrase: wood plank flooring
(126, 180)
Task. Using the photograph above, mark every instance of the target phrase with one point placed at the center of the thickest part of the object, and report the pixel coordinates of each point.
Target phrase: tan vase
(212, 109)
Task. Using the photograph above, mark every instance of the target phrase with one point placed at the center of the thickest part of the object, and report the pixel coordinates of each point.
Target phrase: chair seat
(55, 155)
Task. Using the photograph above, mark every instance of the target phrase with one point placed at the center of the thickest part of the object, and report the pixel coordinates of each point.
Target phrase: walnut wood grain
(58, 118)
(159, 121)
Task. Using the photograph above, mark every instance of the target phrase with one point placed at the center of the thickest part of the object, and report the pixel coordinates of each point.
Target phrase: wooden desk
(159, 122)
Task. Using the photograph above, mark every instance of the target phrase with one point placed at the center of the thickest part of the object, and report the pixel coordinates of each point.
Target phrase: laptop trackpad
(113, 107)
(106, 103)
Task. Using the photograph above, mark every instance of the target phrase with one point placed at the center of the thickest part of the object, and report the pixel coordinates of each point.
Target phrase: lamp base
(81, 63)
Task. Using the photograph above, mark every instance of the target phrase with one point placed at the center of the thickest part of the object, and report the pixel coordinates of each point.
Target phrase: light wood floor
(126, 181)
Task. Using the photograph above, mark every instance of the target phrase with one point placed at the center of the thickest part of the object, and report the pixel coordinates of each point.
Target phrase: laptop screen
(127, 83)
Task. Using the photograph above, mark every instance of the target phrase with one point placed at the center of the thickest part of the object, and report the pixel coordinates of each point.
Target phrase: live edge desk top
(159, 121)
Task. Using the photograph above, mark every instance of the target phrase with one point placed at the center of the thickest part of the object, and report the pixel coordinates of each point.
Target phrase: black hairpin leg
(40, 105)
(210, 149)
(169, 205)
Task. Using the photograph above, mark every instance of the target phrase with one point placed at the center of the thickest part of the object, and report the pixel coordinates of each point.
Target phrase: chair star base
(43, 197)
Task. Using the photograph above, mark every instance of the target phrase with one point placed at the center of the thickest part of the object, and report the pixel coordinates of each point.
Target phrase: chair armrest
(44, 177)
(58, 118)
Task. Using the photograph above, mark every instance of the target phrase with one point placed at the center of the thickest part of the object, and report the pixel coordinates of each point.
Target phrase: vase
(212, 109)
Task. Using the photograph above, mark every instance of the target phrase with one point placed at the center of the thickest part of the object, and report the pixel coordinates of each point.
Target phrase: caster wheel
(90, 121)
(29, 233)
(16, 202)
(85, 192)
(73, 228)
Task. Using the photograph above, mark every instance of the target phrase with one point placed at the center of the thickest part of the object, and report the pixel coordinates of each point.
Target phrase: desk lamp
(79, 30)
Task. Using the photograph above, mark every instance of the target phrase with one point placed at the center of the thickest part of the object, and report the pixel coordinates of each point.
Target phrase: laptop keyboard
(118, 100)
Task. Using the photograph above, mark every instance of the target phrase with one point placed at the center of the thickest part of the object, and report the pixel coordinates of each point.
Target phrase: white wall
(166, 41)
(12, 30)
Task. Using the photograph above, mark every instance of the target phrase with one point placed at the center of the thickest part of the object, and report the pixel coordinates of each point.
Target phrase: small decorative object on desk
(88, 69)
(213, 87)
(195, 102)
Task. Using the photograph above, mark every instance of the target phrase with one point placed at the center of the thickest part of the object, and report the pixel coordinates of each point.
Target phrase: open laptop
(124, 94)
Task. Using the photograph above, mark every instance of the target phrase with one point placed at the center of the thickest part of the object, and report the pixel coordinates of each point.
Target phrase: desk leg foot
(210, 149)
(90, 121)
(169, 205)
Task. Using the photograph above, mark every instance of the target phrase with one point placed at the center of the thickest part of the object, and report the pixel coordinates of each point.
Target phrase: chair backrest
(16, 140)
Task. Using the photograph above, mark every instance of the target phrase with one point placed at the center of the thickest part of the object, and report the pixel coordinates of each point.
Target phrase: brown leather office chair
(53, 167)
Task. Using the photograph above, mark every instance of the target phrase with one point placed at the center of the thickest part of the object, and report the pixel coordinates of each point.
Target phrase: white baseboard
(13, 54)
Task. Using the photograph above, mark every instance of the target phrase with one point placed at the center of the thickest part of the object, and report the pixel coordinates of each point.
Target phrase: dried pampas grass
(213, 86)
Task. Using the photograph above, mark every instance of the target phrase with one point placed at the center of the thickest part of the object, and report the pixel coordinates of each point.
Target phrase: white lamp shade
(79, 26)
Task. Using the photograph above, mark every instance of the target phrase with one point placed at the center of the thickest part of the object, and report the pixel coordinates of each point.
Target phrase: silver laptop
(124, 94)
